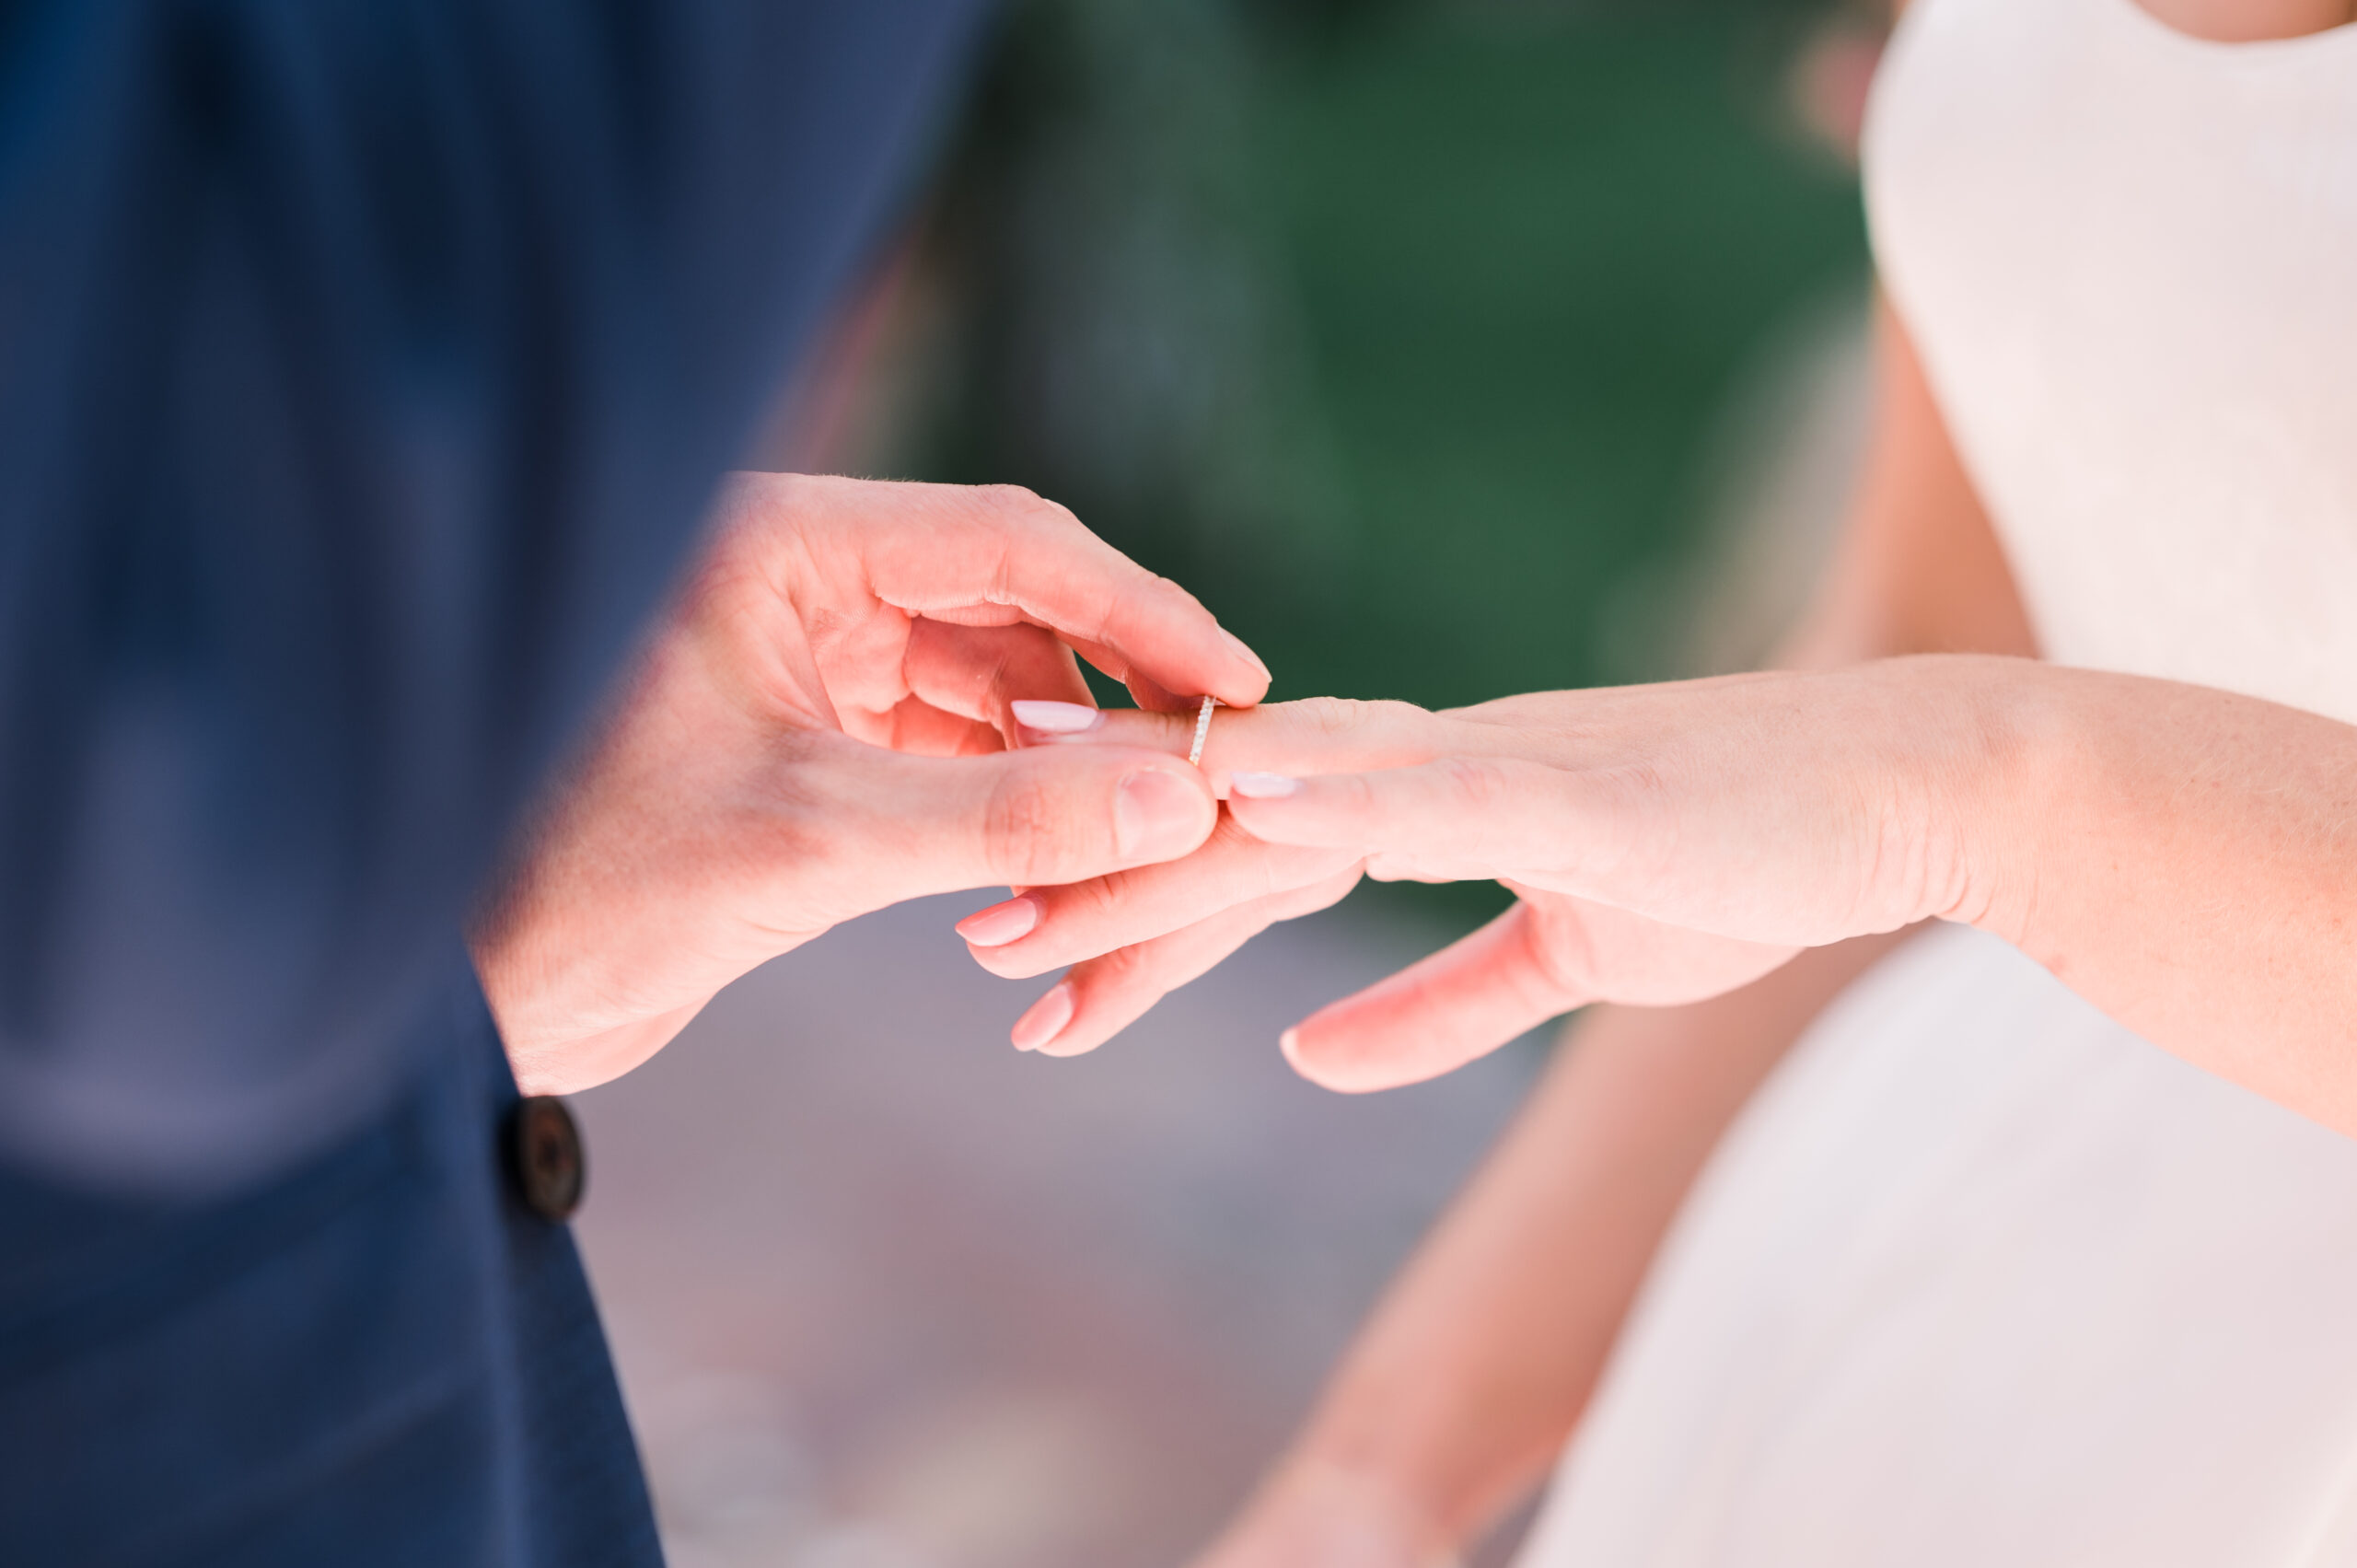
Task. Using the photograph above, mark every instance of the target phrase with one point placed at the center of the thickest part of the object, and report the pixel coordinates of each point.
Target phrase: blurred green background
(1399, 331)
(1403, 333)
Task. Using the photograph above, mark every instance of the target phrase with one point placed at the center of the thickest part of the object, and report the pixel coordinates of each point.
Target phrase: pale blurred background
(1444, 348)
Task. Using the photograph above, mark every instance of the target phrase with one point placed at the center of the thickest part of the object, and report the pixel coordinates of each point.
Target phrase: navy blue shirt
(364, 366)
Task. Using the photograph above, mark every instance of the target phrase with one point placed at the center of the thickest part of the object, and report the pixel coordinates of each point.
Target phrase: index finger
(1002, 545)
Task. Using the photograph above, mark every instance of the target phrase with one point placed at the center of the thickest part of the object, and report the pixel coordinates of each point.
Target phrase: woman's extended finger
(1546, 956)
(1455, 819)
(1317, 735)
(1436, 1015)
(1103, 996)
(1046, 928)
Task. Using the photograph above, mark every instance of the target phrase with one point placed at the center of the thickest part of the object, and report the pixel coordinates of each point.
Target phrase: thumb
(1021, 818)
(1436, 1015)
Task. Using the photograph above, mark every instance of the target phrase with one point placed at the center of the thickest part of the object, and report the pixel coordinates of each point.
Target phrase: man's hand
(818, 730)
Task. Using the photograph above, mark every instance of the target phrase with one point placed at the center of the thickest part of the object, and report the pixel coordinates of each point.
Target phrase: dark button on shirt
(544, 1157)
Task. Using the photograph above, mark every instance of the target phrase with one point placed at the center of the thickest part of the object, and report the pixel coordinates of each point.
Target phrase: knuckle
(1473, 785)
(1090, 907)
(1026, 825)
(1018, 510)
(1170, 588)
(1360, 798)
(1007, 501)
(1331, 715)
(1630, 815)
(1337, 717)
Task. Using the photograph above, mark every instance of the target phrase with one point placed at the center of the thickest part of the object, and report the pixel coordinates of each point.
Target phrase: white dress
(1981, 1278)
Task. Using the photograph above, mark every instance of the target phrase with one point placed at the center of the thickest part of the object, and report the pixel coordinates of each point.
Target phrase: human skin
(818, 728)
(2066, 809)
(2184, 858)
(1920, 571)
(2249, 21)
(1470, 1376)
(1472, 1372)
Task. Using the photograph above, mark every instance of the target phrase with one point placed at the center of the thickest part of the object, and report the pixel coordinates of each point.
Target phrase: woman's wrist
(1991, 793)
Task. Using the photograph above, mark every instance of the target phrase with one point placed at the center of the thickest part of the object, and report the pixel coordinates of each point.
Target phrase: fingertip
(1161, 813)
(1045, 1019)
(1008, 964)
(1309, 1057)
(1308, 1054)
(1071, 1043)
(1079, 1026)
(1246, 683)
(1339, 1055)
(1000, 924)
(1263, 806)
(1257, 676)
(1236, 677)
(1250, 785)
(1036, 719)
(1153, 696)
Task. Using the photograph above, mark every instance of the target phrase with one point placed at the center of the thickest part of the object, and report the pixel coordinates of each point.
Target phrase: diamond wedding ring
(1203, 731)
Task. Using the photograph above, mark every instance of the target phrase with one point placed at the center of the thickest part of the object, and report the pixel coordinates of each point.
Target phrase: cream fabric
(1981, 1278)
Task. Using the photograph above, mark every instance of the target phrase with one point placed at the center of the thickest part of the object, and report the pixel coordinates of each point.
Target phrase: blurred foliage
(1394, 328)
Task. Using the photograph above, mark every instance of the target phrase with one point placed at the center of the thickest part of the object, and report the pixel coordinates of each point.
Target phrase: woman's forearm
(1465, 1383)
(2186, 859)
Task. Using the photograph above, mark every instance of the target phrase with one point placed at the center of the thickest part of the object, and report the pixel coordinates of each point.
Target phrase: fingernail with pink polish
(1261, 787)
(1000, 924)
(1045, 1021)
(1056, 718)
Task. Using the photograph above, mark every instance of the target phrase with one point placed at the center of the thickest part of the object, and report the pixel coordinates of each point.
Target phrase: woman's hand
(818, 730)
(2184, 858)
(1668, 843)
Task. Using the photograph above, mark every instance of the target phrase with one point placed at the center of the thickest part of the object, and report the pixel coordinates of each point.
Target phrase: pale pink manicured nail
(1244, 652)
(1261, 787)
(1000, 924)
(1056, 718)
(1045, 1021)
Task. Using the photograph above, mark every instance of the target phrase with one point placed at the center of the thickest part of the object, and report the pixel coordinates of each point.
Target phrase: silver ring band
(1203, 731)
